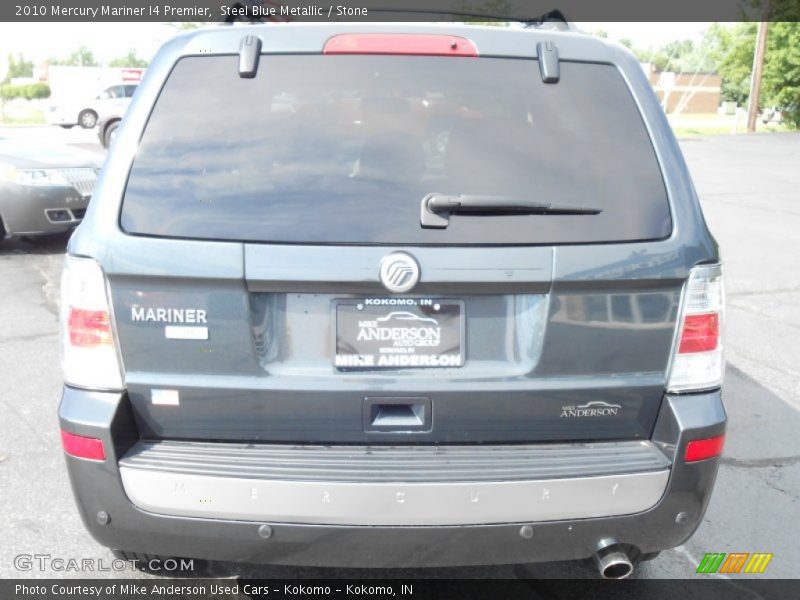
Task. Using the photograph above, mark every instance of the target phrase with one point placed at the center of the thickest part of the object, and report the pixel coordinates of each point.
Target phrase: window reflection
(655, 309)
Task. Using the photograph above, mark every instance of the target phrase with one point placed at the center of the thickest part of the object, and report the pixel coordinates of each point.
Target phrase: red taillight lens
(700, 333)
(83, 447)
(400, 43)
(703, 449)
(88, 328)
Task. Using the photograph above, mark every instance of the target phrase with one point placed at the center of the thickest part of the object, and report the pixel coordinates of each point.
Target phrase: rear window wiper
(436, 209)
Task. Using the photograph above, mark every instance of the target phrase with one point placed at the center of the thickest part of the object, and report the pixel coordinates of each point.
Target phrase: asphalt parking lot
(750, 193)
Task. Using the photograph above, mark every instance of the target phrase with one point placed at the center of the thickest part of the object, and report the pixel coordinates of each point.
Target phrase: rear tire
(109, 134)
(87, 119)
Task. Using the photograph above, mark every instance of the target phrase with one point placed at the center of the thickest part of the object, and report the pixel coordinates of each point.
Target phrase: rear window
(342, 149)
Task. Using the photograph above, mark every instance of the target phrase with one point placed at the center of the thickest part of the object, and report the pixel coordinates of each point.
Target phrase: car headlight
(35, 176)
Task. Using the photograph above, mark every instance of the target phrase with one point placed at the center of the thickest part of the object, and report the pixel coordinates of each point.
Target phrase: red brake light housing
(400, 43)
(88, 328)
(700, 333)
(83, 447)
(704, 449)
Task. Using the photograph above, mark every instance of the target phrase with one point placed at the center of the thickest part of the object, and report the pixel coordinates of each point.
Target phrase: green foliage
(779, 10)
(9, 92)
(734, 57)
(82, 57)
(32, 91)
(19, 67)
(728, 50)
(499, 8)
(680, 56)
(131, 59)
(780, 84)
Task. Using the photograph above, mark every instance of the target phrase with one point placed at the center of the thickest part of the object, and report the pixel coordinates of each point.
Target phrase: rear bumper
(394, 485)
(663, 520)
(34, 210)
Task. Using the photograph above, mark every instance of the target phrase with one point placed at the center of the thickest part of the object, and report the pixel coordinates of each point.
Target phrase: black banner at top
(215, 11)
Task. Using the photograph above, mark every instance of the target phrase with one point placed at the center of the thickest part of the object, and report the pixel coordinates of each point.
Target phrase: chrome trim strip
(392, 504)
(81, 179)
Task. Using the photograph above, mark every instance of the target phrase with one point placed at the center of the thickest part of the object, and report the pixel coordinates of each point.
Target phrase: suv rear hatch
(262, 209)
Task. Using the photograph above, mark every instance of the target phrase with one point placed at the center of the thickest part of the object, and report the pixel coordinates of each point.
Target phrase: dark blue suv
(393, 295)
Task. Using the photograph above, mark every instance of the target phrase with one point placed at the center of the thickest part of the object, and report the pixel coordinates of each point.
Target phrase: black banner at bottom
(416, 589)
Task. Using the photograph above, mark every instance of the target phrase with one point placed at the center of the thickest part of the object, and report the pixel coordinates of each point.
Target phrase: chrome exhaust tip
(612, 561)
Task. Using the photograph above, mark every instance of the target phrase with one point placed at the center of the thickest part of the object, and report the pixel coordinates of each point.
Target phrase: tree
(780, 83)
(498, 8)
(82, 57)
(677, 55)
(781, 78)
(129, 60)
(734, 57)
(19, 67)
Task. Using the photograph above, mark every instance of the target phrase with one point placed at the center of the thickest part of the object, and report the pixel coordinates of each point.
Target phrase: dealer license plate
(399, 333)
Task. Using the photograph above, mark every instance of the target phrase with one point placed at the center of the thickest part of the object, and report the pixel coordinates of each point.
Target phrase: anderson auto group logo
(413, 330)
(596, 408)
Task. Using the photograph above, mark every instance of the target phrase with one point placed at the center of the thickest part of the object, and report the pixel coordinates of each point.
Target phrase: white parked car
(86, 113)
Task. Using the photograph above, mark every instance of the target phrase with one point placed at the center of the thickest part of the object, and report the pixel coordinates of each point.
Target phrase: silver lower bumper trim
(392, 504)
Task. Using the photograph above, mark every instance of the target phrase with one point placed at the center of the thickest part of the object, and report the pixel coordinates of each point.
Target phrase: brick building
(699, 93)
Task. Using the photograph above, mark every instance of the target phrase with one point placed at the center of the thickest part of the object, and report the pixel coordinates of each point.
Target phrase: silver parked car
(44, 189)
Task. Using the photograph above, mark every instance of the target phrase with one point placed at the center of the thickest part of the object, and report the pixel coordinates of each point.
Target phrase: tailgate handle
(397, 414)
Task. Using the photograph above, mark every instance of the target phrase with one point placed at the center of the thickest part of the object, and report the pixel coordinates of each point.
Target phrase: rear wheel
(110, 134)
(87, 119)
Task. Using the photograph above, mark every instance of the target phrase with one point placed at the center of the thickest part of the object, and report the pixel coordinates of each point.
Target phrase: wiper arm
(436, 209)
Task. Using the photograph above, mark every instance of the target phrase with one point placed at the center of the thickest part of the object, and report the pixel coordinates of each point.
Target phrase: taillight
(698, 362)
(88, 328)
(83, 447)
(400, 43)
(704, 449)
(700, 333)
(89, 354)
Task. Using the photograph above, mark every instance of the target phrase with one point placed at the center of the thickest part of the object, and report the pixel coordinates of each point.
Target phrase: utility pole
(755, 80)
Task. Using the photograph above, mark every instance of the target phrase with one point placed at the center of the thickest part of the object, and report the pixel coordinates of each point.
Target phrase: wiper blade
(436, 209)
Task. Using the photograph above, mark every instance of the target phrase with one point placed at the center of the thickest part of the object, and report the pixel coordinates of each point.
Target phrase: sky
(39, 41)
(646, 35)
